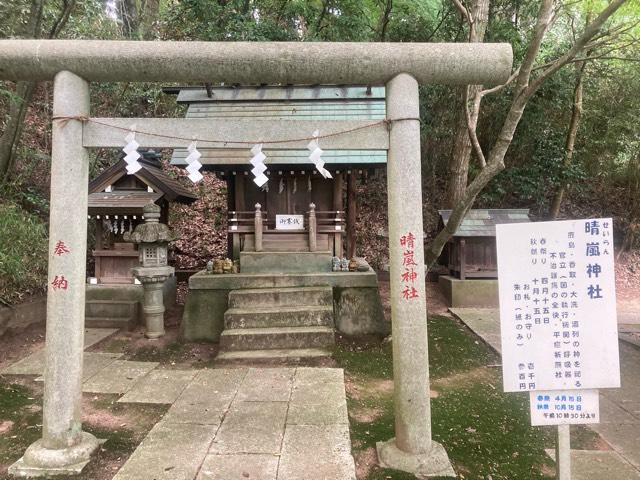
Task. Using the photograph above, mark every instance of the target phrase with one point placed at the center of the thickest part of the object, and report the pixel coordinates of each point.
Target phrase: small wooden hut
(471, 252)
(116, 200)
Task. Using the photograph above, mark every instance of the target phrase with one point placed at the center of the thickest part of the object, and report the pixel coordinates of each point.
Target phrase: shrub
(23, 253)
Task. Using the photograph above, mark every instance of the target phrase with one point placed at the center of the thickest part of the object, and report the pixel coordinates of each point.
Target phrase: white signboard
(557, 305)
(562, 407)
(289, 222)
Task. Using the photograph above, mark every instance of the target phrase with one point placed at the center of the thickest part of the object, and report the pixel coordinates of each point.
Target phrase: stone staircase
(278, 323)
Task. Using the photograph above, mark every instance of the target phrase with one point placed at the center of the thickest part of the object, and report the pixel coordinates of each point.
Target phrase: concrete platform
(354, 296)
(474, 293)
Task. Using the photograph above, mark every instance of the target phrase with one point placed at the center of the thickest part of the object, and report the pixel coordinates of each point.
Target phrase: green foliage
(23, 253)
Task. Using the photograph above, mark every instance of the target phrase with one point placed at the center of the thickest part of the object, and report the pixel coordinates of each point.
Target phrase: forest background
(562, 138)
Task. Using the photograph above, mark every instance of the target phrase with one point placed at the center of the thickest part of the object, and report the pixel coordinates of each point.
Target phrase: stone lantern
(152, 238)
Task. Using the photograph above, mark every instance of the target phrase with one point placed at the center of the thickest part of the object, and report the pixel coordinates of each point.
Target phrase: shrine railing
(326, 226)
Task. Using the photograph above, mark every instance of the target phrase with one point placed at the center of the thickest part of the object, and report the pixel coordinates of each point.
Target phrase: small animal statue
(353, 265)
(335, 264)
(218, 266)
(210, 266)
(227, 265)
(344, 265)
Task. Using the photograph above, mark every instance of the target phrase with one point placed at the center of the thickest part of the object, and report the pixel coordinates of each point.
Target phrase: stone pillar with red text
(412, 449)
(64, 448)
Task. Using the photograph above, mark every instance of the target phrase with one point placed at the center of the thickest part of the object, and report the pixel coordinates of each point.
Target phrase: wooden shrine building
(299, 210)
(471, 252)
(116, 200)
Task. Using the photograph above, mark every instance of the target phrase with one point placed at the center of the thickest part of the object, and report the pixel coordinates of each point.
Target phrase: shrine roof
(129, 202)
(292, 102)
(151, 174)
(482, 222)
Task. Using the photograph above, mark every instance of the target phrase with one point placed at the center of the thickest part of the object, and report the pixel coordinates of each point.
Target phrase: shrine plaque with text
(557, 305)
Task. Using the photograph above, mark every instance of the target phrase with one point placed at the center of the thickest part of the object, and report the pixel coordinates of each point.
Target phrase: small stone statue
(227, 265)
(218, 266)
(344, 265)
(210, 266)
(236, 267)
(353, 265)
(335, 264)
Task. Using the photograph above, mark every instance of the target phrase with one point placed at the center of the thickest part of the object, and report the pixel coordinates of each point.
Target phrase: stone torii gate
(72, 64)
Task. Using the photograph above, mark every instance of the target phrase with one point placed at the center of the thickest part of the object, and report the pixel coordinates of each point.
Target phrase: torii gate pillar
(412, 450)
(64, 448)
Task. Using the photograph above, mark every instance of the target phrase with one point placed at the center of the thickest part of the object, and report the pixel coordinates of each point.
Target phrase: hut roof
(482, 222)
(120, 202)
(150, 173)
(292, 102)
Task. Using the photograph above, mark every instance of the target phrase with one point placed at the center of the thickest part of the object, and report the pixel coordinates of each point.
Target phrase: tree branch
(472, 124)
(589, 32)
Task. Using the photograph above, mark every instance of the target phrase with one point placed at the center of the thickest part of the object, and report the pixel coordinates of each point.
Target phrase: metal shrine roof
(284, 103)
(482, 222)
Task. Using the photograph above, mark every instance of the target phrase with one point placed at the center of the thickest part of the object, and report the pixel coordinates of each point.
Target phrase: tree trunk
(13, 128)
(633, 176)
(461, 151)
(128, 10)
(574, 123)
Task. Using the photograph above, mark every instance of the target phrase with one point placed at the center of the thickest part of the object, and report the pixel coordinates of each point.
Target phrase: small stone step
(293, 355)
(109, 322)
(280, 297)
(303, 316)
(276, 338)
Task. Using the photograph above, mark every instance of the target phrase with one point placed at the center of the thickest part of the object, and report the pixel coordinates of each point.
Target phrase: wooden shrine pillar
(351, 214)
(338, 206)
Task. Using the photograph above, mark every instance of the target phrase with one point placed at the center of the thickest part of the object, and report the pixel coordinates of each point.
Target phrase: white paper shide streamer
(194, 165)
(315, 156)
(131, 149)
(258, 165)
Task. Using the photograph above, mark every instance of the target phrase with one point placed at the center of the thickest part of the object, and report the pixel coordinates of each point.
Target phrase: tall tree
(477, 19)
(20, 100)
(526, 82)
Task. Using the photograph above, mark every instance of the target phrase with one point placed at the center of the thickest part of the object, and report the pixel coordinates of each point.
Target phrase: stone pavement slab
(324, 450)
(252, 427)
(159, 386)
(207, 398)
(119, 377)
(95, 335)
(594, 464)
(318, 414)
(239, 467)
(313, 385)
(623, 438)
(266, 385)
(168, 452)
(484, 322)
(34, 364)
(30, 365)
(93, 362)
